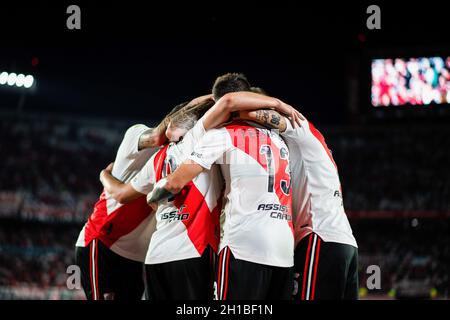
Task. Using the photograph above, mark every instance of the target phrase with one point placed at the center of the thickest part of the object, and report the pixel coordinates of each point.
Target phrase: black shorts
(106, 275)
(325, 270)
(243, 280)
(188, 279)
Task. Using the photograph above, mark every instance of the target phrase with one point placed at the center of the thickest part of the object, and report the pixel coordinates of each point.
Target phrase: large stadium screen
(413, 81)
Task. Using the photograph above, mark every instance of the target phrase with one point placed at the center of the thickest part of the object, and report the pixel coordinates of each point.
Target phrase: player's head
(185, 119)
(258, 90)
(230, 82)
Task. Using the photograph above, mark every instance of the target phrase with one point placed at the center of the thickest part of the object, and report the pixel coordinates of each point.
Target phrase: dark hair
(258, 90)
(230, 82)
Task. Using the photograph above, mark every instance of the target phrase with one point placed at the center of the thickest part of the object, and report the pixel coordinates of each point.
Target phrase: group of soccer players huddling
(233, 196)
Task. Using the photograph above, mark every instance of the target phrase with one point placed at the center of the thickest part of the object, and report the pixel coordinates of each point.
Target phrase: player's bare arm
(246, 101)
(268, 118)
(175, 182)
(149, 140)
(200, 100)
(121, 192)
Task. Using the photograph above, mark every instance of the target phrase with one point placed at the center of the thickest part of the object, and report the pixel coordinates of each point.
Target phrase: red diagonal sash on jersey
(249, 139)
(110, 227)
(158, 162)
(201, 223)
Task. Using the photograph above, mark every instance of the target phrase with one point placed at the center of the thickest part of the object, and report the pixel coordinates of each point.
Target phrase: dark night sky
(130, 59)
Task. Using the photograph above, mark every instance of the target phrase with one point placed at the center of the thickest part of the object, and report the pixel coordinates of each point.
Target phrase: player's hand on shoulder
(291, 113)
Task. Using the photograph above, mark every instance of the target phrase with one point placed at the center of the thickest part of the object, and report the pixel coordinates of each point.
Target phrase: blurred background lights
(12, 79)
(3, 78)
(29, 80)
(18, 80)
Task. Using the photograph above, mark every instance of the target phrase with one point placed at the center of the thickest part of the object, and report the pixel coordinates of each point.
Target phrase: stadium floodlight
(18, 80)
(3, 78)
(28, 82)
(12, 79)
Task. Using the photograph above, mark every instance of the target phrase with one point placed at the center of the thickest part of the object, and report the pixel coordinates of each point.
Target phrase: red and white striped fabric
(310, 269)
(93, 269)
(222, 274)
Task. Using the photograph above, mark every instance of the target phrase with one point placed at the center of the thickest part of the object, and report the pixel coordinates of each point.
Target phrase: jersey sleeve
(296, 133)
(198, 131)
(192, 138)
(308, 140)
(143, 182)
(214, 144)
(130, 143)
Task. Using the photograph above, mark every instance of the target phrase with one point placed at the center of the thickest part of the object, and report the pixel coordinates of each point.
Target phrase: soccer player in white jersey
(178, 258)
(257, 240)
(112, 245)
(326, 254)
(181, 250)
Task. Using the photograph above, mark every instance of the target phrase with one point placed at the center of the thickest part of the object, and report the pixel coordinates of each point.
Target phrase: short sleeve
(214, 144)
(295, 133)
(130, 143)
(198, 131)
(192, 138)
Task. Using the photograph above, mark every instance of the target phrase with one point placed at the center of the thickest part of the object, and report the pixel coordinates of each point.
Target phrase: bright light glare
(28, 82)
(12, 79)
(3, 78)
(20, 80)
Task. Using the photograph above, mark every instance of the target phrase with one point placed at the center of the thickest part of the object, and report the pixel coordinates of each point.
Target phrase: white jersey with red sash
(256, 222)
(124, 228)
(316, 189)
(188, 223)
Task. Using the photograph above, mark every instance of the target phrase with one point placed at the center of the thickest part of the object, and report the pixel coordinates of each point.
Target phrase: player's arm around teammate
(247, 105)
(217, 115)
(326, 253)
(175, 182)
(126, 192)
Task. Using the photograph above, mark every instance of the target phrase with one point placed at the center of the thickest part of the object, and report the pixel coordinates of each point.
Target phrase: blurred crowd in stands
(49, 182)
(50, 168)
(413, 255)
(34, 258)
(393, 168)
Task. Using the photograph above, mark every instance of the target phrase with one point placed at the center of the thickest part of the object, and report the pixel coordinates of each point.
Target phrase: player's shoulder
(239, 124)
(214, 132)
(136, 128)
